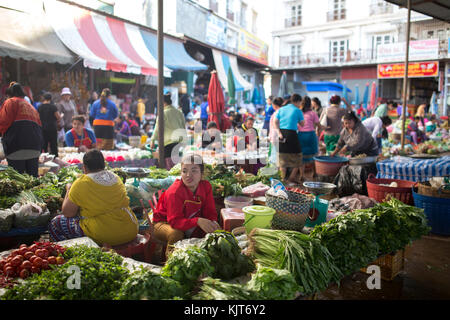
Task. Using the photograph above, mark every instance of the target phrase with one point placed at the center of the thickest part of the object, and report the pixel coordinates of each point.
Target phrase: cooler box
(232, 218)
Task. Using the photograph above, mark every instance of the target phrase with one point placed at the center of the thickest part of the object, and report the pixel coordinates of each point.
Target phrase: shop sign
(415, 70)
(216, 31)
(252, 48)
(418, 50)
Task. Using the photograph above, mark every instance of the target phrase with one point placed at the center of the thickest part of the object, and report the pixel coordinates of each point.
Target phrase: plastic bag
(6, 220)
(352, 179)
(255, 190)
(277, 189)
(137, 193)
(30, 215)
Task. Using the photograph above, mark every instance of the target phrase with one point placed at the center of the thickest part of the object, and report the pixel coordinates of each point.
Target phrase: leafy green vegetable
(7, 202)
(226, 257)
(187, 266)
(101, 275)
(176, 170)
(24, 181)
(351, 240)
(273, 284)
(215, 289)
(50, 195)
(9, 187)
(158, 173)
(121, 173)
(309, 262)
(146, 285)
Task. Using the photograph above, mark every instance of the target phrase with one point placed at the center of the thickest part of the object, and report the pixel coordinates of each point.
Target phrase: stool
(140, 245)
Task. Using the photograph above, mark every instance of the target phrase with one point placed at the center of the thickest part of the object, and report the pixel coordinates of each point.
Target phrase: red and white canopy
(103, 42)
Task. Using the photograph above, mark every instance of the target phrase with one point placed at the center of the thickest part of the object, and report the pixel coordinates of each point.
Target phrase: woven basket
(381, 193)
(426, 190)
(290, 214)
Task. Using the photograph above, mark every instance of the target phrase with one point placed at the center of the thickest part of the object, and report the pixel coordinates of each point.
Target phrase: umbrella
(256, 98)
(216, 100)
(231, 87)
(357, 95)
(373, 96)
(283, 91)
(366, 96)
(433, 104)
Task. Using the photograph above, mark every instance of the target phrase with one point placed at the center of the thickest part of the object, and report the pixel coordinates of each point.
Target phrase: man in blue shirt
(269, 110)
(286, 123)
(204, 108)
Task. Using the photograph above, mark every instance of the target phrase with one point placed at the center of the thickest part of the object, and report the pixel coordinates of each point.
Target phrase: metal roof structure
(438, 9)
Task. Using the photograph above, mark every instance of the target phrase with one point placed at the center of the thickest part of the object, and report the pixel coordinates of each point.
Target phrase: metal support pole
(405, 80)
(161, 161)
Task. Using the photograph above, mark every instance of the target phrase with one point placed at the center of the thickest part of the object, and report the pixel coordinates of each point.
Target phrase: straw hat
(66, 91)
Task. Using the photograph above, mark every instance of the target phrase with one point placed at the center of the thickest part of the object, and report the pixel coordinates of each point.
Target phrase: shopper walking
(273, 133)
(290, 152)
(49, 116)
(268, 112)
(317, 106)
(104, 111)
(307, 136)
(333, 114)
(21, 129)
(66, 108)
(204, 109)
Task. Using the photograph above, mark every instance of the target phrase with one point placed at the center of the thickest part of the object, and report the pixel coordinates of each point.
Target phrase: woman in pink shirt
(273, 134)
(307, 134)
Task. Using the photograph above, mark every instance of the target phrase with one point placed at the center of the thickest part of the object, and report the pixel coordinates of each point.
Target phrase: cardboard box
(232, 218)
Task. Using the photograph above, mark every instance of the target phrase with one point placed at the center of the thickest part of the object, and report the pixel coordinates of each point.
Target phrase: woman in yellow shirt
(96, 206)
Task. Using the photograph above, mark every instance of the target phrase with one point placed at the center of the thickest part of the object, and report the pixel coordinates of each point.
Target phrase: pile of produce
(147, 285)
(310, 263)
(187, 266)
(273, 284)
(215, 289)
(351, 240)
(101, 276)
(225, 255)
(396, 224)
(28, 260)
(432, 147)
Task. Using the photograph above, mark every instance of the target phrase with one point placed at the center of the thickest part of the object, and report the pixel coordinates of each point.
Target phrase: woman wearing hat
(66, 108)
(104, 112)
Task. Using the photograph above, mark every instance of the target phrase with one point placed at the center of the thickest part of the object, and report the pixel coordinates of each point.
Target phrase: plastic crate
(403, 192)
(437, 211)
(390, 265)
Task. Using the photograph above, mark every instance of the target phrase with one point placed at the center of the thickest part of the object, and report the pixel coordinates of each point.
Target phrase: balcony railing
(336, 15)
(381, 8)
(349, 57)
(293, 22)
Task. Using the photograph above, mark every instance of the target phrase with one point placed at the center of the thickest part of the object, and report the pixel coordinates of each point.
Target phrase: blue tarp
(175, 56)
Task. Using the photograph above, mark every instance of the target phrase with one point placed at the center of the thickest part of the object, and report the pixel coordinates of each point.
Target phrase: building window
(295, 18)
(338, 50)
(214, 5)
(243, 15)
(380, 7)
(379, 40)
(254, 21)
(296, 52)
(230, 11)
(337, 11)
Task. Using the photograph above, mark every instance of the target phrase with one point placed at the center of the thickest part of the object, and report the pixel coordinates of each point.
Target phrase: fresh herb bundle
(351, 240)
(226, 257)
(273, 284)
(215, 289)
(309, 262)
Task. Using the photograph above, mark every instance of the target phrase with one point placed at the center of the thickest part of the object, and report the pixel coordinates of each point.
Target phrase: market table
(406, 168)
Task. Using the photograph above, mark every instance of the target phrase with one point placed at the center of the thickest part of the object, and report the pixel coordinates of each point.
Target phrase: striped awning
(101, 41)
(225, 61)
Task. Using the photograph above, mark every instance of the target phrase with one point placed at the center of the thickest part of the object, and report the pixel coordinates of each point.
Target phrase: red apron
(193, 209)
(86, 141)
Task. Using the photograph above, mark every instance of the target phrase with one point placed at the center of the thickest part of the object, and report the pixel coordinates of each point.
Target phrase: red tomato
(2, 263)
(14, 253)
(26, 265)
(45, 253)
(44, 264)
(24, 273)
(22, 251)
(33, 258)
(40, 253)
(52, 260)
(33, 248)
(10, 271)
(60, 260)
(35, 270)
(17, 261)
(37, 262)
(28, 255)
(23, 245)
(7, 265)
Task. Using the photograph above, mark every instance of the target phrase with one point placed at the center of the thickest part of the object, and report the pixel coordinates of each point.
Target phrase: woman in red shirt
(187, 208)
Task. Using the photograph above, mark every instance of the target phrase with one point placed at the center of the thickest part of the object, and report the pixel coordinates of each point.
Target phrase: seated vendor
(245, 136)
(412, 130)
(79, 136)
(122, 129)
(432, 125)
(187, 209)
(355, 138)
(211, 138)
(96, 205)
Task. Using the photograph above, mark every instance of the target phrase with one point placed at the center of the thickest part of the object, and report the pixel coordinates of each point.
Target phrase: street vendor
(212, 138)
(355, 138)
(187, 209)
(79, 136)
(96, 205)
(248, 134)
(376, 125)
